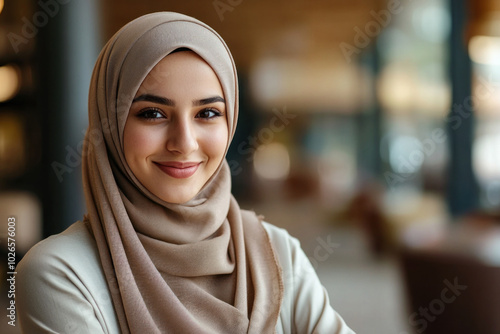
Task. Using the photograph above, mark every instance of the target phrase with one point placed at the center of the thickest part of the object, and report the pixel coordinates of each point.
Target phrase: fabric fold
(204, 266)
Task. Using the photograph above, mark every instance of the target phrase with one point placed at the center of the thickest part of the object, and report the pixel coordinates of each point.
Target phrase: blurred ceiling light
(1, 5)
(10, 79)
(485, 50)
(272, 161)
(310, 84)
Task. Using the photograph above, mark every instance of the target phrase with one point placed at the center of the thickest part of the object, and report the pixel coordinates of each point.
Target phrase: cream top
(61, 288)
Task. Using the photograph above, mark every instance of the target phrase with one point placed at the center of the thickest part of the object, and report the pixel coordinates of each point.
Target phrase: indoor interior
(368, 129)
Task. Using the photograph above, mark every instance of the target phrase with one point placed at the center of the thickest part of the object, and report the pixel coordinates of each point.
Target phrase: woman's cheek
(141, 141)
(217, 142)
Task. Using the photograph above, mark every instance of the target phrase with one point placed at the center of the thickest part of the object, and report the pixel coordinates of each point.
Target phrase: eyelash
(145, 112)
(216, 113)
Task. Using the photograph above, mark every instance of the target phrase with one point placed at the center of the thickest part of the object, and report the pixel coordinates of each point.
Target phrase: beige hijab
(201, 267)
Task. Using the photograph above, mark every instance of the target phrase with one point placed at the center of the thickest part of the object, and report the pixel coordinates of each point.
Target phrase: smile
(178, 170)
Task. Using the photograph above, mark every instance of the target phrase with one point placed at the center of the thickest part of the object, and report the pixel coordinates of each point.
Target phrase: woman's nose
(182, 137)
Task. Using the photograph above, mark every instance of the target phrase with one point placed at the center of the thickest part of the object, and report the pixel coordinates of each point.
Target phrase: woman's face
(176, 131)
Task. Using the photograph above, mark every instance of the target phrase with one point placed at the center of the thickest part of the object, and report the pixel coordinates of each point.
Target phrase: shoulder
(306, 306)
(276, 233)
(71, 248)
(295, 265)
(77, 237)
(64, 273)
(287, 248)
(68, 259)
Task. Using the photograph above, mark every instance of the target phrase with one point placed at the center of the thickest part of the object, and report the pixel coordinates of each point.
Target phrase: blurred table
(453, 282)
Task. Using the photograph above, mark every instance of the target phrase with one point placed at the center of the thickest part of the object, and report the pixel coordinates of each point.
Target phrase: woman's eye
(209, 113)
(150, 114)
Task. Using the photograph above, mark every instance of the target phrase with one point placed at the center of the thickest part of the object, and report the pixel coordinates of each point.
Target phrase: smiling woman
(165, 247)
(176, 133)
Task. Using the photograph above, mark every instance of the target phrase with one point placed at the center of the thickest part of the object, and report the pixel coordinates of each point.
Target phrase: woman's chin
(177, 197)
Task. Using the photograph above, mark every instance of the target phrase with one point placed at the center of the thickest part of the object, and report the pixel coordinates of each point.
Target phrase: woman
(165, 247)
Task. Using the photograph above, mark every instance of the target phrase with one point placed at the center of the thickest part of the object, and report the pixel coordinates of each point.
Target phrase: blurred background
(368, 129)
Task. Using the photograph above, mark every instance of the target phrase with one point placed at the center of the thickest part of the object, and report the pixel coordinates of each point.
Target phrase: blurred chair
(451, 293)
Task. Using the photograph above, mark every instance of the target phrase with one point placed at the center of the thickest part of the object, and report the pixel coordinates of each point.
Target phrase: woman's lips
(178, 170)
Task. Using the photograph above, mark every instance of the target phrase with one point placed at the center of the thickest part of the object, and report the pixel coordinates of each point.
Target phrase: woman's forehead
(181, 67)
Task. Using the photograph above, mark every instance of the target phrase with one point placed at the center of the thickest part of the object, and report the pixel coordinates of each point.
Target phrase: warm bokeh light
(404, 88)
(396, 87)
(310, 84)
(12, 146)
(486, 91)
(9, 77)
(28, 209)
(1, 5)
(485, 50)
(272, 161)
(486, 160)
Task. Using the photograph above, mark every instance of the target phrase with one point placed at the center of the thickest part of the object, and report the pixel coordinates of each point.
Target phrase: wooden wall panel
(255, 27)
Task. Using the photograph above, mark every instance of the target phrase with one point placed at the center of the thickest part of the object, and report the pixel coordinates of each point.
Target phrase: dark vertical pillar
(67, 48)
(370, 125)
(462, 185)
(239, 153)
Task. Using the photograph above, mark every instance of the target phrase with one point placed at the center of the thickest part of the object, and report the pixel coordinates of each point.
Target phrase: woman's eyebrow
(209, 100)
(154, 99)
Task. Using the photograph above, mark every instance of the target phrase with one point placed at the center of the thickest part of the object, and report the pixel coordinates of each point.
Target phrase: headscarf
(204, 266)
